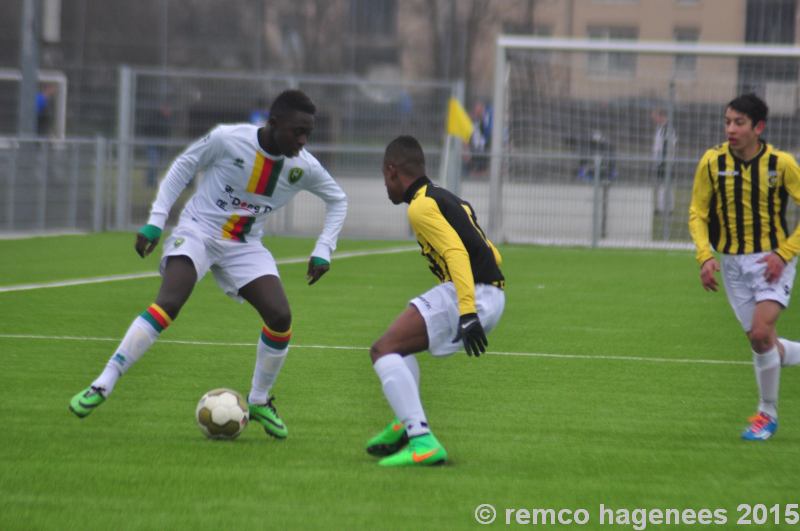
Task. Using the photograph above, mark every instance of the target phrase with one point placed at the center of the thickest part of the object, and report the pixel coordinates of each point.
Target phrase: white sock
(140, 336)
(402, 393)
(413, 366)
(791, 352)
(768, 376)
(269, 361)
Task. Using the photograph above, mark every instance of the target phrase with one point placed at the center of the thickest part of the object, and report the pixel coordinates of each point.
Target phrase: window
(686, 65)
(374, 17)
(770, 22)
(612, 63)
(524, 28)
(372, 34)
(542, 30)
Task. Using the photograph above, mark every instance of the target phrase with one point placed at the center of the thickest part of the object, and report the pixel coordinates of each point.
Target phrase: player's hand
(470, 331)
(147, 239)
(316, 268)
(707, 277)
(775, 265)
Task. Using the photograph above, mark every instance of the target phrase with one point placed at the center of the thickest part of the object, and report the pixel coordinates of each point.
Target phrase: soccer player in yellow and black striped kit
(467, 303)
(741, 191)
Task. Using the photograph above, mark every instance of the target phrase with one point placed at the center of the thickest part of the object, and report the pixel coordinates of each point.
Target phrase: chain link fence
(109, 183)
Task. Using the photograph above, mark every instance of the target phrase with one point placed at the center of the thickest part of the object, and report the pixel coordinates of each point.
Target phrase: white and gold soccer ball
(222, 414)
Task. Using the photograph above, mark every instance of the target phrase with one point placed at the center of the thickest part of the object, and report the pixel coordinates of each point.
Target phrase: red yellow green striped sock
(156, 317)
(276, 340)
(141, 334)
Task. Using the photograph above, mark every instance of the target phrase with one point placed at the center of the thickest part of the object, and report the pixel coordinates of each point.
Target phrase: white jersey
(242, 184)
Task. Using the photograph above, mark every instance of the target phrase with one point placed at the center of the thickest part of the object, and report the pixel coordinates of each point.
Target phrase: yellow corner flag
(458, 121)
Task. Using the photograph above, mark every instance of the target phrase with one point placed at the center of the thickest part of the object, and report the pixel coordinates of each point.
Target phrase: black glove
(471, 333)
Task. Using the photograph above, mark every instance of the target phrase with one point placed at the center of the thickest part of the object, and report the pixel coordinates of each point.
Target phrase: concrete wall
(531, 212)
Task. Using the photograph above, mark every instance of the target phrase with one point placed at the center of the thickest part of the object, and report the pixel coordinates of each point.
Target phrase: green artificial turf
(612, 379)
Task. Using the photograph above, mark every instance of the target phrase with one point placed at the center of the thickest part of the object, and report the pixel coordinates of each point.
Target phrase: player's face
(290, 132)
(394, 188)
(741, 133)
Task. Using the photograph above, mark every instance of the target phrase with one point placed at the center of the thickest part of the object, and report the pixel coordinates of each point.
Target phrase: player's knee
(760, 338)
(376, 351)
(280, 320)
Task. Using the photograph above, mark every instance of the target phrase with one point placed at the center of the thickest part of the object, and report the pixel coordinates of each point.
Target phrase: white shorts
(746, 286)
(233, 264)
(439, 309)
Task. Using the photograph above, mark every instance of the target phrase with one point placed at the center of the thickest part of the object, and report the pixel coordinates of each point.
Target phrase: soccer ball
(222, 414)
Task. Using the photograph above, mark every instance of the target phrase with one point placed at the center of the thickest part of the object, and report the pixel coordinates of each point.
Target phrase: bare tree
(456, 28)
(479, 18)
(305, 35)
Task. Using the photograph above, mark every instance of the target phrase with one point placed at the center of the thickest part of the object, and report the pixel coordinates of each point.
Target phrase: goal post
(595, 142)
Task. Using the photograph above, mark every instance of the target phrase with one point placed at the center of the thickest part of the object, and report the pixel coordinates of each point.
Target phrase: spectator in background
(405, 107)
(260, 113)
(481, 138)
(44, 110)
(664, 142)
(156, 126)
(596, 143)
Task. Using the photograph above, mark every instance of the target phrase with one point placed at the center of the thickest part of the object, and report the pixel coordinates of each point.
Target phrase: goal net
(596, 142)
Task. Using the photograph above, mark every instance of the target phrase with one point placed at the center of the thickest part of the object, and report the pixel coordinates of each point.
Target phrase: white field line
(685, 361)
(133, 276)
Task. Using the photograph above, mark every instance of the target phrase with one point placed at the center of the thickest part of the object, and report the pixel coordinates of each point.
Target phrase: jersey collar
(264, 151)
(754, 159)
(416, 185)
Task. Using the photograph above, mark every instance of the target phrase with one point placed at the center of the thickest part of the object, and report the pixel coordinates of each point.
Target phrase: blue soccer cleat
(761, 428)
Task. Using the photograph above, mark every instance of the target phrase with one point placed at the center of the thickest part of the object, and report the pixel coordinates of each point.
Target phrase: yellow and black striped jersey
(451, 239)
(739, 207)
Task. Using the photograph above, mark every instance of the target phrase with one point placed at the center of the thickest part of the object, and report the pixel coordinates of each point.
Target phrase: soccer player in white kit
(247, 173)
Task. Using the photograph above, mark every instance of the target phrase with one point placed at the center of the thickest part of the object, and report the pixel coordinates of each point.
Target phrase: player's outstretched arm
(316, 268)
(147, 239)
(197, 156)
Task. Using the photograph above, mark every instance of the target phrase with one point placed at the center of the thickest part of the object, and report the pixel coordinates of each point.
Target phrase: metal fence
(355, 119)
(55, 185)
(98, 184)
(568, 164)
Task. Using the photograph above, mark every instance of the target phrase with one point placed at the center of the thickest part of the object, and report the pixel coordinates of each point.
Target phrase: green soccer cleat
(86, 401)
(267, 416)
(422, 450)
(390, 440)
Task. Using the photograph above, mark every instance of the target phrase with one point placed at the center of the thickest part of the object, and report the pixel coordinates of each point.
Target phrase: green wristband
(317, 261)
(151, 232)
